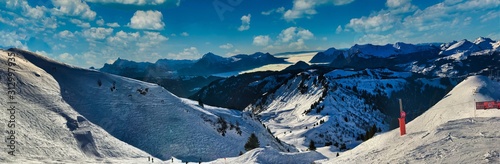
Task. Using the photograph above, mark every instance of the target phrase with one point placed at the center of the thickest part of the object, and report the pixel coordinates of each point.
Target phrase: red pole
(402, 121)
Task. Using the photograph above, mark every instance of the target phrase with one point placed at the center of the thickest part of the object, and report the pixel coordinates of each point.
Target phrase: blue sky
(93, 32)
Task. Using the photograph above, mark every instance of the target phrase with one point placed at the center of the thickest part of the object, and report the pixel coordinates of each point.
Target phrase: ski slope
(47, 129)
(141, 114)
(446, 133)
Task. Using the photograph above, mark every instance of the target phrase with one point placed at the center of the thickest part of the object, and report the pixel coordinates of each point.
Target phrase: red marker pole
(402, 121)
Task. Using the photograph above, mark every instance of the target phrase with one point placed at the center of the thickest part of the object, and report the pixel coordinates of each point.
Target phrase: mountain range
(346, 105)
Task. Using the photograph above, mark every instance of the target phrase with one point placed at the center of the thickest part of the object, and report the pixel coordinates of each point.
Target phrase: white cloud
(245, 22)
(338, 30)
(73, 8)
(184, 34)
(97, 32)
(226, 46)
(278, 10)
(114, 25)
(374, 23)
(66, 57)
(123, 39)
(324, 38)
(342, 2)
(287, 34)
(66, 34)
(261, 40)
(293, 33)
(400, 6)
(100, 22)
(307, 8)
(34, 12)
(150, 40)
(12, 39)
(299, 44)
(490, 16)
(305, 34)
(396, 3)
(133, 2)
(80, 23)
(149, 20)
(187, 53)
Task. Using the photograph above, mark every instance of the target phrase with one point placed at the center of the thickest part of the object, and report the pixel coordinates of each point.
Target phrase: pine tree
(252, 143)
(200, 103)
(311, 146)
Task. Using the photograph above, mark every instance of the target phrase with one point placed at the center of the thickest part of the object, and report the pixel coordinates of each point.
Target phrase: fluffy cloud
(184, 34)
(100, 22)
(187, 53)
(73, 8)
(114, 25)
(97, 33)
(80, 23)
(261, 40)
(226, 46)
(307, 8)
(396, 3)
(292, 37)
(12, 39)
(66, 34)
(402, 21)
(132, 2)
(148, 20)
(245, 22)
(374, 23)
(294, 33)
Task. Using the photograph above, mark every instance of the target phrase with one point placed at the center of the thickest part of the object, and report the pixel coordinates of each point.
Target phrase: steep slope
(327, 56)
(149, 117)
(46, 128)
(343, 108)
(446, 133)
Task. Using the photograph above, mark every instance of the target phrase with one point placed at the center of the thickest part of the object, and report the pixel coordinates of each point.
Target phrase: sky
(89, 33)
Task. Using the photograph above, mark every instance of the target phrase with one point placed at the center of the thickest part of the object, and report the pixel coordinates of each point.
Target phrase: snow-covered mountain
(453, 59)
(447, 133)
(340, 107)
(141, 114)
(46, 128)
(212, 64)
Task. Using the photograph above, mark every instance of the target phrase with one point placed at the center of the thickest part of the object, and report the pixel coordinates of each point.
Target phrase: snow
(446, 133)
(142, 114)
(41, 129)
(284, 111)
(270, 155)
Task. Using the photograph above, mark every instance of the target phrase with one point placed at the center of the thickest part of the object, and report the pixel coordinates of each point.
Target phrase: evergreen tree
(311, 146)
(200, 103)
(252, 143)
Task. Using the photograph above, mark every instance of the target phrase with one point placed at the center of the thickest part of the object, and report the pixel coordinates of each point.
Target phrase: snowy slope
(47, 129)
(270, 155)
(446, 133)
(329, 110)
(149, 117)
